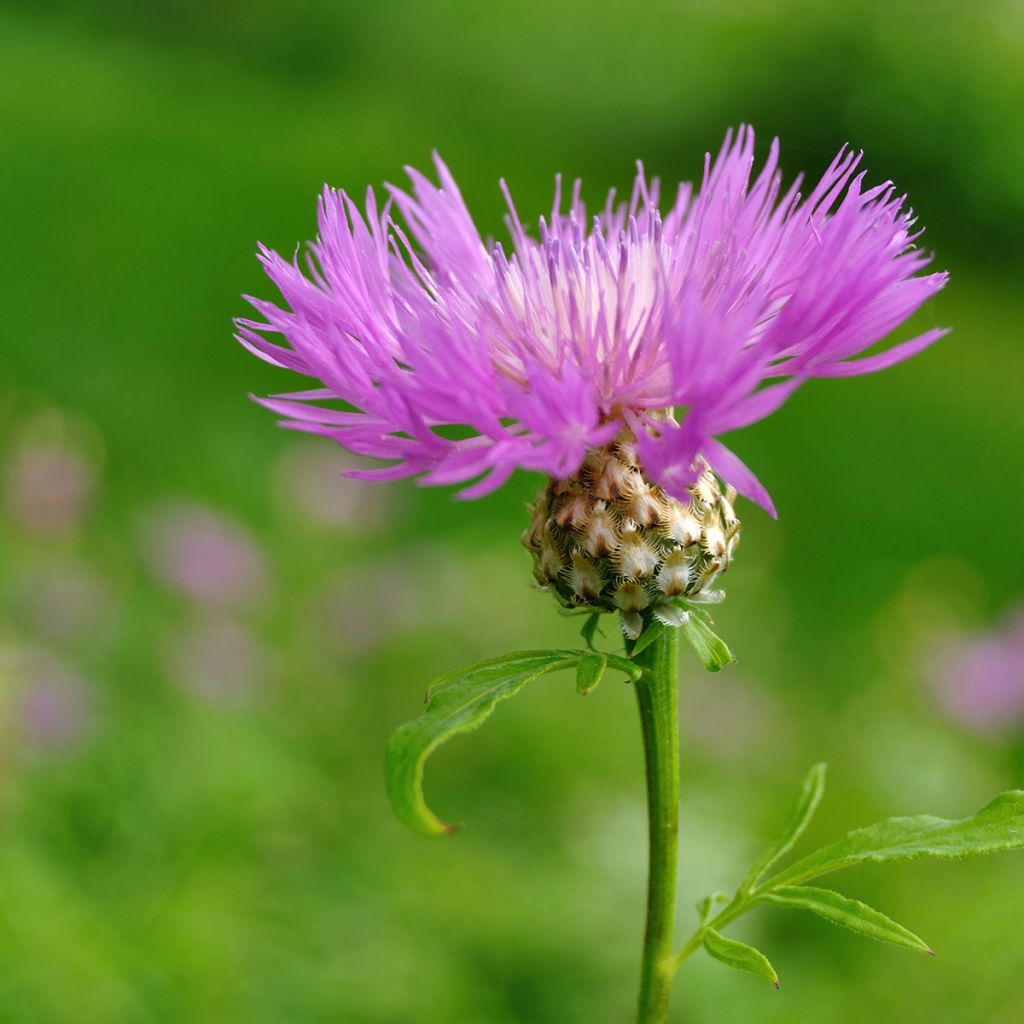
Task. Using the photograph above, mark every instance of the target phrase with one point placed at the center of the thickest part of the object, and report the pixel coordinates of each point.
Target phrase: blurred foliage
(193, 818)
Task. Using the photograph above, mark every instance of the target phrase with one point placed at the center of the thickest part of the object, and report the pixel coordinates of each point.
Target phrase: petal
(883, 360)
(735, 472)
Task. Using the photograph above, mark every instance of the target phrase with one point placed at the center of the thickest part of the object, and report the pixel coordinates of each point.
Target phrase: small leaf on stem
(624, 665)
(739, 956)
(711, 648)
(589, 671)
(848, 913)
(811, 792)
(590, 628)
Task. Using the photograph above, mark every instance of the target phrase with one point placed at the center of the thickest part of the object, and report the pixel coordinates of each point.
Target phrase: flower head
(716, 309)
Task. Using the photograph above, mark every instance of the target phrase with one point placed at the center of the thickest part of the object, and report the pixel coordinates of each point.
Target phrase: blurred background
(206, 634)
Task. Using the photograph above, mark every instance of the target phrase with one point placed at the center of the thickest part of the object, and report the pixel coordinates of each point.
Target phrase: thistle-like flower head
(546, 350)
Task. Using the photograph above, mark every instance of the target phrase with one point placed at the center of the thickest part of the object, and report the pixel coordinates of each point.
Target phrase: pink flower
(205, 556)
(54, 706)
(979, 679)
(49, 485)
(717, 308)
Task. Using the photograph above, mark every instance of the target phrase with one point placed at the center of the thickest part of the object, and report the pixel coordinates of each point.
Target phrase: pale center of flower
(578, 300)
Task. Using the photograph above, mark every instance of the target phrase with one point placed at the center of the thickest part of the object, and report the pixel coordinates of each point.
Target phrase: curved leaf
(458, 702)
(624, 665)
(590, 627)
(589, 670)
(848, 913)
(739, 956)
(710, 647)
(500, 663)
(811, 792)
(996, 827)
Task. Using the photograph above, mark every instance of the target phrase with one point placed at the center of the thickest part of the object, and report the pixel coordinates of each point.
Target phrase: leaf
(590, 628)
(739, 956)
(811, 792)
(996, 827)
(706, 905)
(458, 702)
(647, 637)
(848, 913)
(630, 668)
(711, 648)
(589, 670)
(500, 663)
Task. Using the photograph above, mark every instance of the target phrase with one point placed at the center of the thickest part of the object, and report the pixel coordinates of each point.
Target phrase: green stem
(656, 695)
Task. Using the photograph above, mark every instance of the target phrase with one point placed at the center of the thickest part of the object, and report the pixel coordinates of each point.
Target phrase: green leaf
(589, 670)
(710, 648)
(457, 702)
(852, 914)
(499, 664)
(996, 827)
(811, 792)
(739, 956)
(647, 637)
(706, 905)
(590, 628)
(624, 665)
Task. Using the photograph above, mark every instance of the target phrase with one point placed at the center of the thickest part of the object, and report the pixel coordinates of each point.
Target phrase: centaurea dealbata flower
(717, 309)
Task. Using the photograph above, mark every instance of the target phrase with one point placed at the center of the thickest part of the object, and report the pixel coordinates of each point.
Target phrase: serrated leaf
(711, 648)
(996, 827)
(651, 633)
(848, 913)
(739, 956)
(807, 802)
(589, 670)
(459, 702)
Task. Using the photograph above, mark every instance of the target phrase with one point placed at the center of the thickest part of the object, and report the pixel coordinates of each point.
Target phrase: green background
(183, 855)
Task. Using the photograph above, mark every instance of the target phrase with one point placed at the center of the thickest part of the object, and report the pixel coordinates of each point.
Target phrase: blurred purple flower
(220, 661)
(49, 483)
(205, 556)
(979, 680)
(53, 702)
(721, 306)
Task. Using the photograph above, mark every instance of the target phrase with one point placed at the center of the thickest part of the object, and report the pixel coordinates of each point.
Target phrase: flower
(979, 679)
(55, 711)
(457, 360)
(204, 555)
(50, 479)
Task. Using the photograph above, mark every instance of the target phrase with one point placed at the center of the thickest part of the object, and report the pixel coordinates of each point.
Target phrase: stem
(656, 695)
